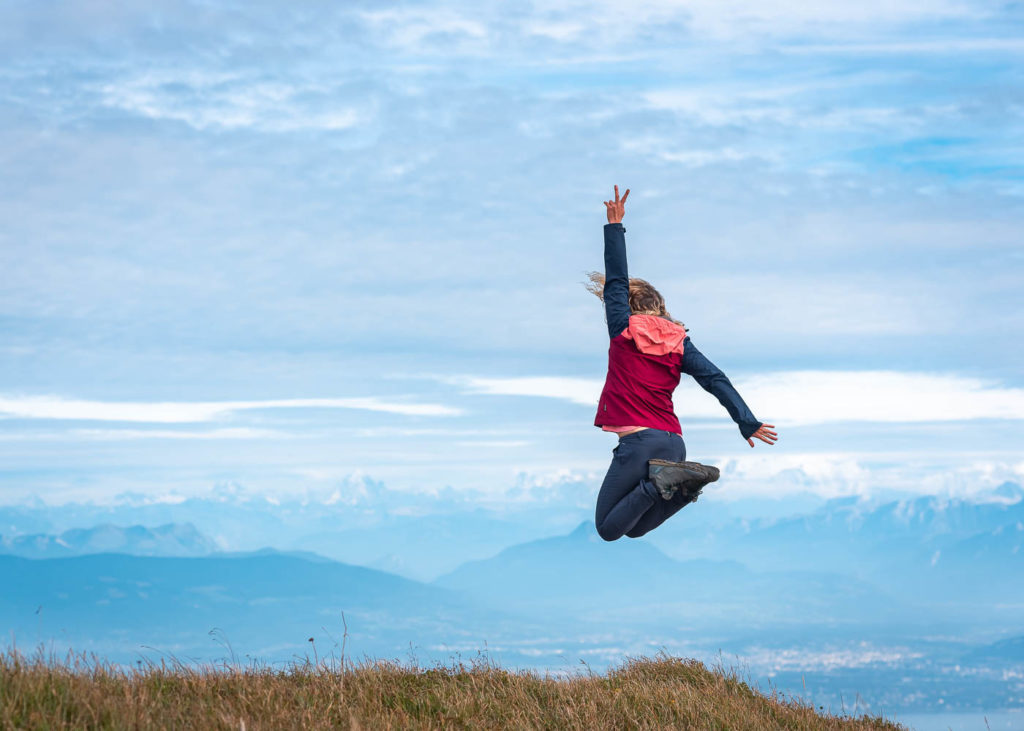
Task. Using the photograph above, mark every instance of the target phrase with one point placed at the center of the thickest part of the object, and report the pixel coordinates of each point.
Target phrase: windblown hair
(644, 299)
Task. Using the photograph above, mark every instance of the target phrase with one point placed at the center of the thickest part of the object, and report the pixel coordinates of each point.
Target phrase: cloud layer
(801, 398)
(56, 407)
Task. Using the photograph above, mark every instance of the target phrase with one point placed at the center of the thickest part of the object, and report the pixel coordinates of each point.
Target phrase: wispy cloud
(790, 102)
(831, 474)
(493, 443)
(817, 397)
(409, 28)
(696, 157)
(234, 101)
(117, 435)
(718, 20)
(808, 397)
(128, 435)
(583, 391)
(781, 475)
(939, 45)
(180, 412)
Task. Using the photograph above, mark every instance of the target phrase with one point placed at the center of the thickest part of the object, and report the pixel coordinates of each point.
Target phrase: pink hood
(655, 335)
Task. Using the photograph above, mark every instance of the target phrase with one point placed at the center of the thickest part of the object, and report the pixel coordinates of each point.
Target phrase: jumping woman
(649, 481)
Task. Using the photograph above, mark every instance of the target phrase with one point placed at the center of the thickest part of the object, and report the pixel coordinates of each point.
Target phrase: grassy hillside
(662, 692)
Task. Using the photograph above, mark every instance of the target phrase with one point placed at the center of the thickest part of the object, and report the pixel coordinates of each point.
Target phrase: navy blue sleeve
(712, 380)
(616, 279)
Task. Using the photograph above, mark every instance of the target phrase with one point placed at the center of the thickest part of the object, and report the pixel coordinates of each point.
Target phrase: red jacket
(644, 362)
(646, 357)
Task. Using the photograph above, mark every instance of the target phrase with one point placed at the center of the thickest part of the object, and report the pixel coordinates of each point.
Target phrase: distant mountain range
(424, 541)
(423, 536)
(911, 545)
(363, 522)
(926, 544)
(171, 539)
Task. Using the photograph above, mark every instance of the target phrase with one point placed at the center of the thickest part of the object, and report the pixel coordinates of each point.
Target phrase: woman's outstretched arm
(616, 271)
(712, 380)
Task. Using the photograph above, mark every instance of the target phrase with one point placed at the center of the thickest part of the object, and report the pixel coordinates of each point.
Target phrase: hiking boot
(671, 477)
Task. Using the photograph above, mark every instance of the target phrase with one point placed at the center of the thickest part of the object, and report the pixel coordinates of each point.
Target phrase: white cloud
(211, 101)
(810, 397)
(180, 412)
(493, 443)
(718, 20)
(834, 474)
(943, 46)
(817, 397)
(408, 28)
(117, 435)
(583, 391)
(695, 157)
(725, 17)
(792, 104)
(558, 30)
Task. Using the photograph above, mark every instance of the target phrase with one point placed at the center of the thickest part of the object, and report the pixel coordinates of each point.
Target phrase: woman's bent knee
(607, 534)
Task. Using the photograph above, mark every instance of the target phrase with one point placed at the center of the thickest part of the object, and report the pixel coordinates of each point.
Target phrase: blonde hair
(644, 299)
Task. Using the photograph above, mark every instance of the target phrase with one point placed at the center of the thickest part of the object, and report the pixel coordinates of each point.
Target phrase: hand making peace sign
(616, 208)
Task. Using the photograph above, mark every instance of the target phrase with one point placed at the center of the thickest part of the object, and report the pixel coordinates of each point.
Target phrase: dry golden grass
(651, 693)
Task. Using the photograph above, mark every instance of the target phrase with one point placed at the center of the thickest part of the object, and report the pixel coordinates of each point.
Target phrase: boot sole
(693, 479)
(711, 473)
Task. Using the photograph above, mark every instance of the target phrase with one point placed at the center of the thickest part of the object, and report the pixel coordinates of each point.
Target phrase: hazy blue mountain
(424, 546)
(1009, 651)
(561, 569)
(847, 535)
(172, 539)
(988, 566)
(1010, 492)
(264, 605)
(304, 555)
(1002, 547)
(581, 575)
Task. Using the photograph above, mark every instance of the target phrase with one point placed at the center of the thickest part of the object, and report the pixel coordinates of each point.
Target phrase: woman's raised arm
(616, 271)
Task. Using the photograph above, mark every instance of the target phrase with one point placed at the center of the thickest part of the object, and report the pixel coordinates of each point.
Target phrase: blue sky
(281, 245)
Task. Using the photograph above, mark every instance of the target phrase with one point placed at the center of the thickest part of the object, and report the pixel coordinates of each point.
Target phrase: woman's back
(644, 365)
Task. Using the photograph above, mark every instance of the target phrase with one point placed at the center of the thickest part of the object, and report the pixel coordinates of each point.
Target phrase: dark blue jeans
(628, 504)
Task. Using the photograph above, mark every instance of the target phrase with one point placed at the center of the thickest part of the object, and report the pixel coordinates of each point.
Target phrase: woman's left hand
(765, 434)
